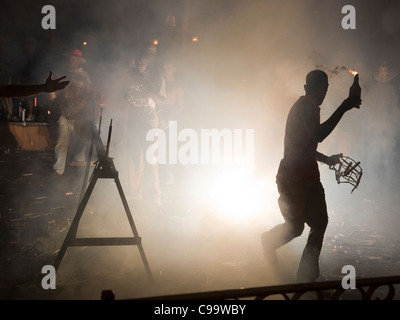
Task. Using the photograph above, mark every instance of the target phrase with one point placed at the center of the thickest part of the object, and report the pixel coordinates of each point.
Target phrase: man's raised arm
(20, 91)
(327, 127)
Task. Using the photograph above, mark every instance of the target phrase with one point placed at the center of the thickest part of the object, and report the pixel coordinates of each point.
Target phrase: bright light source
(195, 39)
(84, 43)
(155, 42)
(236, 193)
(354, 73)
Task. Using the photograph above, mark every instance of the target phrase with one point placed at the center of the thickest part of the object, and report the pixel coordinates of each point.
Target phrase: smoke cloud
(246, 71)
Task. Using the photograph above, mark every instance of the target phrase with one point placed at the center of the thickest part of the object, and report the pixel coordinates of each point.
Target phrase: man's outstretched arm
(327, 127)
(20, 91)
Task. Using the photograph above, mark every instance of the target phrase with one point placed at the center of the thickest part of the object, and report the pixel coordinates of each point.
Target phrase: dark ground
(189, 249)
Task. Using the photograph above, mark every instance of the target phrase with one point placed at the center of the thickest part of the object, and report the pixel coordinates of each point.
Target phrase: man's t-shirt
(138, 87)
(300, 145)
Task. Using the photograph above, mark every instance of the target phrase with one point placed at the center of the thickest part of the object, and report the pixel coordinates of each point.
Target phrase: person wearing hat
(76, 115)
(302, 196)
(76, 59)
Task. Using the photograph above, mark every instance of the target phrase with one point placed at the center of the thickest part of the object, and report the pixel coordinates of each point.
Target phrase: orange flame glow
(353, 72)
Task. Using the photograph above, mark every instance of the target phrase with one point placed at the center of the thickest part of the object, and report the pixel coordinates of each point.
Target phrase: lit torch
(354, 73)
(355, 89)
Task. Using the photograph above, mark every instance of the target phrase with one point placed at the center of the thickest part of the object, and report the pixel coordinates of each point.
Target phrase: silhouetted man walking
(302, 196)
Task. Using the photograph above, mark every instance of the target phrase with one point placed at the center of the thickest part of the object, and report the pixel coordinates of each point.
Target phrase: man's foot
(269, 251)
(309, 265)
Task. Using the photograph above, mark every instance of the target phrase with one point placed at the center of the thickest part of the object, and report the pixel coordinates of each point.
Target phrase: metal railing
(380, 288)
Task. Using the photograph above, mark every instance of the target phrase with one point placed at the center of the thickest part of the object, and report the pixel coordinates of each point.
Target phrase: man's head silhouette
(316, 85)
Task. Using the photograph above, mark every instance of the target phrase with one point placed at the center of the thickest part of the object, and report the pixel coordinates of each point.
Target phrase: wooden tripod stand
(104, 169)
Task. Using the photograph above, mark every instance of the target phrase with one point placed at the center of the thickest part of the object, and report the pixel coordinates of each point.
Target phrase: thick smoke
(246, 71)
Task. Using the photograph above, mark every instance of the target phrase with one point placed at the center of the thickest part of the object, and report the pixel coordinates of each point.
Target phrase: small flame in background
(354, 73)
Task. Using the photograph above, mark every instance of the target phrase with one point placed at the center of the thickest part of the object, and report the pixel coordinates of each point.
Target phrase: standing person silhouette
(170, 109)
(142, 90)
(302, 196)
(75, 105)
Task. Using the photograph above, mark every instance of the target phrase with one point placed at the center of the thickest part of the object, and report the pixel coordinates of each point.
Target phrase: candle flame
(354, 73)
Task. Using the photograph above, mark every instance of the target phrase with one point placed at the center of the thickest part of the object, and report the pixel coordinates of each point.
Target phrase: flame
(353, 72)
